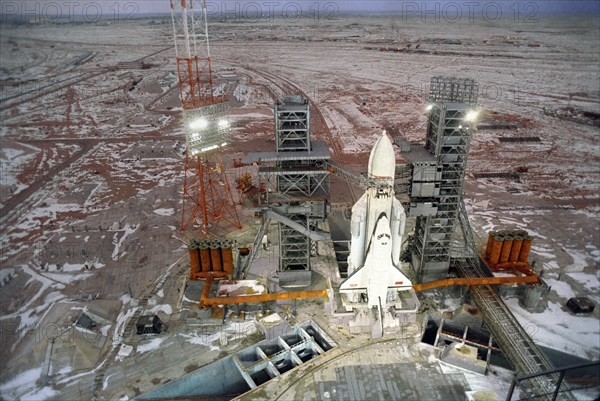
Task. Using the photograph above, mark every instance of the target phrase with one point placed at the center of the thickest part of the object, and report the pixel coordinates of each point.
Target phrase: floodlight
(207, 127)
(200, 123)
(429, 107)
(472, 115)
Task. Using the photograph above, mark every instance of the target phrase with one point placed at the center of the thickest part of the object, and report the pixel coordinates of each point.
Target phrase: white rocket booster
(377, 228)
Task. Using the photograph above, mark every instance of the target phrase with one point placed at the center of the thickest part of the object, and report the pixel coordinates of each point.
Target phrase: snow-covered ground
(100, 153)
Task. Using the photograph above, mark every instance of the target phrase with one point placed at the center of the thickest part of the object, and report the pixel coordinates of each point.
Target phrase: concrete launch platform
(391, 369)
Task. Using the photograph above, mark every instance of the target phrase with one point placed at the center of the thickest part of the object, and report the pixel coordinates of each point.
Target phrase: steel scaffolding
(453, 90)
(448, 140)
(292, 124)
(295, 188)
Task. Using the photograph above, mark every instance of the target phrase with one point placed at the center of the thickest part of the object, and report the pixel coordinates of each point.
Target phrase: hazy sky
(544, 6)
(251, 8)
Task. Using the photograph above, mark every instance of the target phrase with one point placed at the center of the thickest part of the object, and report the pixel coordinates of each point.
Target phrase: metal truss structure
(436, 200)
(292, 124)
(192, 55)
(453, 90)
(207, 197)
(296, 188)
(438, 179)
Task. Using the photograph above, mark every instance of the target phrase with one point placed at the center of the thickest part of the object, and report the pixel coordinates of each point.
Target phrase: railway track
(18, 204)
(66, 82)
(524, 354)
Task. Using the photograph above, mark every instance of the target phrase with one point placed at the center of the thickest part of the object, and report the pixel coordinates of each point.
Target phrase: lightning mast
(207, 197)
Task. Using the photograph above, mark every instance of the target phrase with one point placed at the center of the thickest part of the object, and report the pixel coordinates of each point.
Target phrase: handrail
(517, 379)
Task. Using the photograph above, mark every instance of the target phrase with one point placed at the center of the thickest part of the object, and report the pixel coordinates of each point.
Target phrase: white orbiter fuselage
(377, 228)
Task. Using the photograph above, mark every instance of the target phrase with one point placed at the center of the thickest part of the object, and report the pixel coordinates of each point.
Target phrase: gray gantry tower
(296, 189)
(438, 174)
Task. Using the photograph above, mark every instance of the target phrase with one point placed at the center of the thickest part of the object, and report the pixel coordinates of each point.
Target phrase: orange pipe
(516, 248)
(244, 299)
(496, 250)
(533, 279)
(194, 259)
(490, 244)
(525, 249)
(215, 256)
(204, 257)
(506, 245)
(206, 289)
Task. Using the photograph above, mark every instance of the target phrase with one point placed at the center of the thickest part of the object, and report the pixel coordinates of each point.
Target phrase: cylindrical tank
(215, 256)
(194, 258)
(490, 243)
(227, 256)
(516, 248)
(204, 256)
(496, 249)
(506, 246)
(525, 248)
(532, 296)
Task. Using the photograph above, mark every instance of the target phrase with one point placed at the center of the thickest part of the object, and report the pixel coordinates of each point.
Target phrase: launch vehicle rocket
(377, 227)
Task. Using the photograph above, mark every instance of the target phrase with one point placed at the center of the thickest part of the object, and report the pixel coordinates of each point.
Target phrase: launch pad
(92, 166)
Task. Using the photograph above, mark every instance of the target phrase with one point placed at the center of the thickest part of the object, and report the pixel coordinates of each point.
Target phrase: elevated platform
(319, 151)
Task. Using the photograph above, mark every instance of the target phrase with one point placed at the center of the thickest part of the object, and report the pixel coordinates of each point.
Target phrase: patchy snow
(124, 352)
(24, 381)
(104, 330)
(580, 260)
(68, 278)
(165, 212)
(590, 281)
(272, 318)
(249, 116)
(241, 287)
(207, 335)
(557, 329)
(186, 299)
(125, 299)
(121, 321)
(64, 370)
(105, 382)
(12, 162)
(167, 309)
(563, 289)
(23, 387)
(150, 345)
(30, 317)
(497, 380)
(119, 242)
(242, 93)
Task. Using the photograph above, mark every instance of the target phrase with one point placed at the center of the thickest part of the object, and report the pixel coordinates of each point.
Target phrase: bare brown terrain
(92, 163)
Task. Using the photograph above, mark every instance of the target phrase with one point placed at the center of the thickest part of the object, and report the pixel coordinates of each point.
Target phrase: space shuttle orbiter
(377, 228)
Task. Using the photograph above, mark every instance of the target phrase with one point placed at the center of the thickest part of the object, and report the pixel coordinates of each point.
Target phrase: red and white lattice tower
(207, 197)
